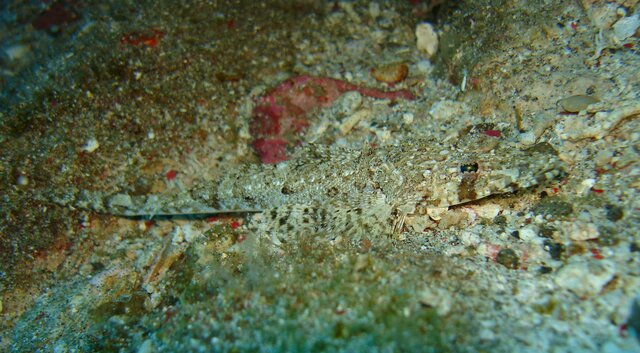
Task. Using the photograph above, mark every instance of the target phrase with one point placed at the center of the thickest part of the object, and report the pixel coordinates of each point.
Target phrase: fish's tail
(126, 205)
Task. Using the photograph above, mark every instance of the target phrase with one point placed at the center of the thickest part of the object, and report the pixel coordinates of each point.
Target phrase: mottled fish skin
(406, 175)
(370, 191)
(349, 191)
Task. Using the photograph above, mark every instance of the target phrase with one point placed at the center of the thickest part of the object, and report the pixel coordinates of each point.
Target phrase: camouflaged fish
(347, 191)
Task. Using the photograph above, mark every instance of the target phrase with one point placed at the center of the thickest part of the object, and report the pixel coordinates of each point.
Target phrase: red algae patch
(282, 115)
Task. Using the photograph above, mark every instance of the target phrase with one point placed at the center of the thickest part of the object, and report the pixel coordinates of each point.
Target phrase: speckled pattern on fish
(347, 191)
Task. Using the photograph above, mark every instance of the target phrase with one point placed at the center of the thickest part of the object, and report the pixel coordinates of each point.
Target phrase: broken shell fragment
(575, 104)
(349, 122)
(426, 39)
(626, 27)
(393, 73)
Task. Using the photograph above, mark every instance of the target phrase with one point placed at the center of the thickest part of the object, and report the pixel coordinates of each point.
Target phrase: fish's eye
(469, 168)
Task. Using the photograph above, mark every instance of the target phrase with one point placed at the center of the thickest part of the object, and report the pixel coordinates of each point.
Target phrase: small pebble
(585, 278)
(453, 219)
(487, 211)
(528, 233)
(407, 118)
(577, 103)
(425, 67)
(614, 213)
(547, 231)
(91, 145)
(374, 9)
(469, 238)
(487, 334)
(448, 110)
(17, 51)
(527, 138)
(349, 122)
(22, 180)
(420, 224)
(581, 230)
(393, 73)
(508, 258)
(555, 250)
(543, 270)
(426, 39)
(585, 186)
(436, 298)
(147, 347)
(500, 220)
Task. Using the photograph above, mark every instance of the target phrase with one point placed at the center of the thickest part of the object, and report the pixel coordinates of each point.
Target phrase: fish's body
(347, 191)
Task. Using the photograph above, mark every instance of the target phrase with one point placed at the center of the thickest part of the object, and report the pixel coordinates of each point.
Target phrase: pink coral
(281, 116)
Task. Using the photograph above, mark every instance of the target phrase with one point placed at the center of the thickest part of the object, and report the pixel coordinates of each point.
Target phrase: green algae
(314, 300)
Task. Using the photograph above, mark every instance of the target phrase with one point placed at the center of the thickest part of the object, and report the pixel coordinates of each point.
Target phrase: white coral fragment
(427, 39)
